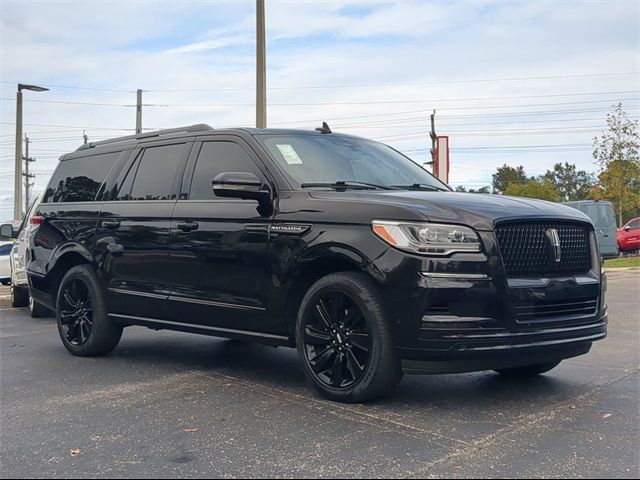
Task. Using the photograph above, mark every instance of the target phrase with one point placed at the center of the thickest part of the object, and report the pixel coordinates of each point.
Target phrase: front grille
(551, 311)
(527, 250)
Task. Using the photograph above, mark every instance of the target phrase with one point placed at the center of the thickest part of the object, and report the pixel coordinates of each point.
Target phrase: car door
(606, 229)
(133, 230)
(630, 235)
(220, 269)
(19, 252)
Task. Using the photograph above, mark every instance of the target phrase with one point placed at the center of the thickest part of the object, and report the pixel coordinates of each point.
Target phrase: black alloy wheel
(337, 340)
(82, 316)
(344, 339)
(76, 312)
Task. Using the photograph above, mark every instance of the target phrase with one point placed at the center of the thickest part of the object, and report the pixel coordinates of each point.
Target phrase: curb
(621, 269)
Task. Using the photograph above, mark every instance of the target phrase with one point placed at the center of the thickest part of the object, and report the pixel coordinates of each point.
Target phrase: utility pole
(261, 62)
(139, 112)
(84, 137)
(27, 176)
(433, 136)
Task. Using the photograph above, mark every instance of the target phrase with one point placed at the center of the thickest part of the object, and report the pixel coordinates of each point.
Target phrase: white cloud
(209, 45)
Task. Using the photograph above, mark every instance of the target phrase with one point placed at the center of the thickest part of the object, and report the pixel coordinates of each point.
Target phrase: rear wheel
(344, 340)
(19, 297)
(83, 323)
(529, 370)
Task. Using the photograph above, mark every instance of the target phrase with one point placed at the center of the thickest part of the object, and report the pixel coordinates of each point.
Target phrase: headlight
(427, 238)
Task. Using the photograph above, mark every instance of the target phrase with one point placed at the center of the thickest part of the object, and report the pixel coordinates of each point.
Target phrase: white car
(19, 255)
(5, 266)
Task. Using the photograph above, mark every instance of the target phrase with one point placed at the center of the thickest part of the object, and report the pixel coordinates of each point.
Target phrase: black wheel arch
(309, 268)
(62, 262)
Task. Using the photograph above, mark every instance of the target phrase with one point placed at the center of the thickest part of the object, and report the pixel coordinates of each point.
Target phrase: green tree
(506, 176)
(569, 182)
(542, 189)
(616, 152)
(461, 188)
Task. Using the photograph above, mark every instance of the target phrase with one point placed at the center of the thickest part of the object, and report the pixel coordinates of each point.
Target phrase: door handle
(110, 225)
(187, 226)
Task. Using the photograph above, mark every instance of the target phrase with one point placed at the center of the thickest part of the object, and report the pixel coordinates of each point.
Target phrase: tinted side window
(79, 179)
(155, 173)
(215, 158)
(5, 249)
(635, 225)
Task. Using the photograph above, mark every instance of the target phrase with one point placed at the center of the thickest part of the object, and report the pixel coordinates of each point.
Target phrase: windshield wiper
(421, 186)
(344, 184)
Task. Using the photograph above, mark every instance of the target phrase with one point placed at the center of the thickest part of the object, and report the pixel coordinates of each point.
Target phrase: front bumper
(460, 348)
(462, 313)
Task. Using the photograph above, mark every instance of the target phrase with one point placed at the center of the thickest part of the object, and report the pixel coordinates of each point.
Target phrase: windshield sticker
(289, 154)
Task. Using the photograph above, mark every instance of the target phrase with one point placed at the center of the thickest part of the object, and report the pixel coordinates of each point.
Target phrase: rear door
(220, 268)
(605, 222)
(134, 230)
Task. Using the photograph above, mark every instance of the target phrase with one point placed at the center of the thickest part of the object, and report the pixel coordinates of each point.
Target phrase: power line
(442, 82)
(75, 126)
(394, 121)
(477, 115)
(450, 130)
(380, 102)
(77, 88)
(66, 102)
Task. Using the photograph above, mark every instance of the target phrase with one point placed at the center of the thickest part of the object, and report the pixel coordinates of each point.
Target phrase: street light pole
(17, 187)
(17, 190)
(261, 62)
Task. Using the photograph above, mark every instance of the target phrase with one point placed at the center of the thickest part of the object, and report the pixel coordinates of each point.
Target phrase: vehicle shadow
(279, 369)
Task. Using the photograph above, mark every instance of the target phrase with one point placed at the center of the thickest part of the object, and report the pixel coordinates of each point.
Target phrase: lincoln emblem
(554, 240)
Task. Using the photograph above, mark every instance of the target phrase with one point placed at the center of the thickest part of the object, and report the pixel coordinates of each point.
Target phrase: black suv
(335, 244)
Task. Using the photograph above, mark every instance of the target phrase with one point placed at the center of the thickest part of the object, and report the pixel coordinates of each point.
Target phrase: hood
(479, 211)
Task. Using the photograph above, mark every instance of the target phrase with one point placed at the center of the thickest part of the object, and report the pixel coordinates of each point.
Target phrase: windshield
(318, 159)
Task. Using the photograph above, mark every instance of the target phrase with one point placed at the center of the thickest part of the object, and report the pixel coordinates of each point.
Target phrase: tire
(38, 310)
(354, 343)
(19, 297)
(529, 370)
(83, 324)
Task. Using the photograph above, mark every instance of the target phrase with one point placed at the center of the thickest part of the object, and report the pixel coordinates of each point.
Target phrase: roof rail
(200, 127)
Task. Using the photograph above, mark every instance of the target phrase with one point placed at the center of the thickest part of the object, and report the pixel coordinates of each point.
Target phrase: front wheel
(83, 323)
(529, 370)
(344, 340)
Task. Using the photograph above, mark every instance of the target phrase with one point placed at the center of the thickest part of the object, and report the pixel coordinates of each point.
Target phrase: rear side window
(79, 179)
(215, 158)
(152, 176)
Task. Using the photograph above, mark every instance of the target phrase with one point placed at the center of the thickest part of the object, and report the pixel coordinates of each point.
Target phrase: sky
(517, 82)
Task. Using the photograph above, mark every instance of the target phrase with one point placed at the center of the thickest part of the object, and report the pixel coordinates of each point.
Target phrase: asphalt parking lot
(178, 405)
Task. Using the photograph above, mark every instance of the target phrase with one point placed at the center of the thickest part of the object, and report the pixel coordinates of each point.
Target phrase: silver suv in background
(603, 217)
(19, 257)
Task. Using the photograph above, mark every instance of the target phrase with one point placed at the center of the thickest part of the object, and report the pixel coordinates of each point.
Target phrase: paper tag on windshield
(289, 154)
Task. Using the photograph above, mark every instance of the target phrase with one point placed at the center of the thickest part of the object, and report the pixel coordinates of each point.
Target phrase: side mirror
(6, 230)
(243, 185)
(627, 228)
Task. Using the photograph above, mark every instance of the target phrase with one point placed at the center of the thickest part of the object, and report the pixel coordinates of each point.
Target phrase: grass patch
(622, 262)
